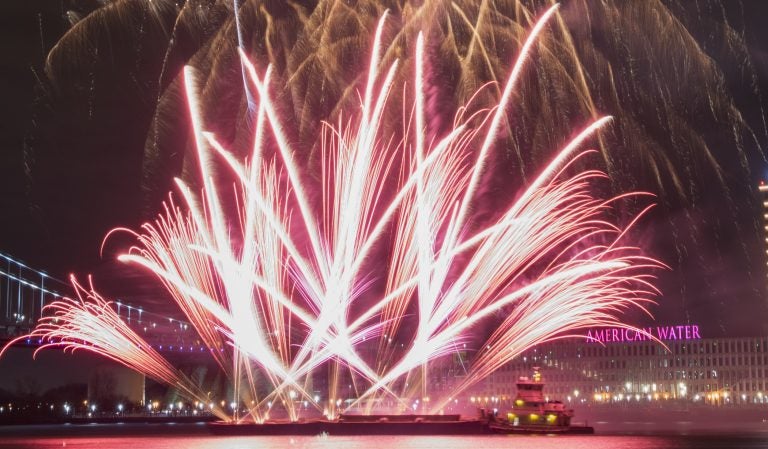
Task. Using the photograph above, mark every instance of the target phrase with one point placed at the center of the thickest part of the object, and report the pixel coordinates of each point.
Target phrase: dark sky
(65, 179)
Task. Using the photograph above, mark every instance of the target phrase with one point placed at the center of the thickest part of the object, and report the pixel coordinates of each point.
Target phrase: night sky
(73, 166)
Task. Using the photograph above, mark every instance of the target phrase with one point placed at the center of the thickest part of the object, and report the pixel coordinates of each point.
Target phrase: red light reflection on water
(393, 442)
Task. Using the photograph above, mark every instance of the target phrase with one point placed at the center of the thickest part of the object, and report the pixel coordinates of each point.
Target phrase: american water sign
(664, 333)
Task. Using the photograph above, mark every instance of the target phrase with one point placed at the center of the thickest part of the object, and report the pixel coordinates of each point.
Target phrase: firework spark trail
(220, 307)
(244, 322)
(168, 243)
(358, 182)
(431, 210)
(90, 323)
(355, 172)
(554, 215)
(283, 285)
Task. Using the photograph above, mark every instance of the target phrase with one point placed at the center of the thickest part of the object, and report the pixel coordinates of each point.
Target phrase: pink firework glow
(376, 268)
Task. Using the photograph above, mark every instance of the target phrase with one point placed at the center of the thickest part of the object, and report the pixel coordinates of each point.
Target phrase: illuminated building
(718, 371)
(763, 189)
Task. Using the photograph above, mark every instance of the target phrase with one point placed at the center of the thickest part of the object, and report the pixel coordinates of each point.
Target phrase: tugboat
(532, 413)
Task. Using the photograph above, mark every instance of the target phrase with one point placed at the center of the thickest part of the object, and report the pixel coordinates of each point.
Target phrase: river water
(168, 436)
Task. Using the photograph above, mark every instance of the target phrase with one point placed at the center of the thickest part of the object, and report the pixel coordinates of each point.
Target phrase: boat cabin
(531, 408)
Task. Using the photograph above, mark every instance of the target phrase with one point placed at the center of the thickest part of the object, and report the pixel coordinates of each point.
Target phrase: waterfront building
(612, 365)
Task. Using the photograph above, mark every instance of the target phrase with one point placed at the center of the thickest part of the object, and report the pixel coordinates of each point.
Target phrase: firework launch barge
(531, 414)
(391, 425)
(361, 425)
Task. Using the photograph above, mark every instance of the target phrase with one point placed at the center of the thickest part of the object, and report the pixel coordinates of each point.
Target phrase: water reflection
(391, 442)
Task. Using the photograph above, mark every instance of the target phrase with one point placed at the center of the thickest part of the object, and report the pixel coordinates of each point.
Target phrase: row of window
(728, 346)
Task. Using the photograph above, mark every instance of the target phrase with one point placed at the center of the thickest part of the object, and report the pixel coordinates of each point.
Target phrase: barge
(531, 414)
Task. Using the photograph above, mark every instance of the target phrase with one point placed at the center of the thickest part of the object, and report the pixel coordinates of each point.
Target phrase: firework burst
(378, 266)
(90, 323)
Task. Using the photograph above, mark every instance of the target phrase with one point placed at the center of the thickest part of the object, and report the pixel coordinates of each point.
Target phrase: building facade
(716, 371)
